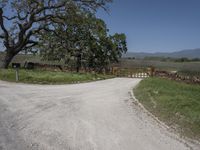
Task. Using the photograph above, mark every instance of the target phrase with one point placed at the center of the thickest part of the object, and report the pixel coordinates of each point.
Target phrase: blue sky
(155, 25)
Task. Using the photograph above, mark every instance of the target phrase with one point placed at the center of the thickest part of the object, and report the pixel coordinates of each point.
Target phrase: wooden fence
(133, 73)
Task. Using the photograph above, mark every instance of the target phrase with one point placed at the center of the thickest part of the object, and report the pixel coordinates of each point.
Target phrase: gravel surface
(90, 116)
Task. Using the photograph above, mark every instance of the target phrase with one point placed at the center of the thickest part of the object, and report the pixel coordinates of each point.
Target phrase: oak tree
(22, 20)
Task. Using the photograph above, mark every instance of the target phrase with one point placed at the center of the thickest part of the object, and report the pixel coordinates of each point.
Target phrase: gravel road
(90, 116)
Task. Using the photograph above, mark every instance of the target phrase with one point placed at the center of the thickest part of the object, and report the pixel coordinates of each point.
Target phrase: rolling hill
(189, 53)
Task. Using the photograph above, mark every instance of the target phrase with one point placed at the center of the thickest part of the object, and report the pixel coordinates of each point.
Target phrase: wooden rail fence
(133, 73)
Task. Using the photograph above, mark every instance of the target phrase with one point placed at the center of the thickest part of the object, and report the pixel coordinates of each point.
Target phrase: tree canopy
(85, 39)
(28, 18)
(60, 30)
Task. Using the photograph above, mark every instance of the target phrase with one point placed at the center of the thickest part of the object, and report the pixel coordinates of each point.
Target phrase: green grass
(49, 77)
(177, 104)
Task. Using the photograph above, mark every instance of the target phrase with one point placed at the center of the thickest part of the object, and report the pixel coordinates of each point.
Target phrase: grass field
(175, 66)
(48, 77)
(177, 104)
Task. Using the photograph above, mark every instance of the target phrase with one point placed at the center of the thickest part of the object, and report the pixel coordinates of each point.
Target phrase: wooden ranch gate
(133, 73)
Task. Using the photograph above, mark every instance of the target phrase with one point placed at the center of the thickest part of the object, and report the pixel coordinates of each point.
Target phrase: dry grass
(178, 66)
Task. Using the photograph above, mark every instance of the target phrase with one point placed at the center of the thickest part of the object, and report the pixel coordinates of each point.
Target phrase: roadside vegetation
(49, 77)
(190, 73)
(170, 59)
(175, 103)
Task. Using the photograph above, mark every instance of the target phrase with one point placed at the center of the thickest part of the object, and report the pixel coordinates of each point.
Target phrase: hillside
(190, 53)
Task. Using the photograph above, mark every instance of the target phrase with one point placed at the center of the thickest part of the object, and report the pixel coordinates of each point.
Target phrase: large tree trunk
(7, 59)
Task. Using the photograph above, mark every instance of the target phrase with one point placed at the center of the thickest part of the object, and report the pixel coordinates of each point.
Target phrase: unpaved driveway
(90, 116)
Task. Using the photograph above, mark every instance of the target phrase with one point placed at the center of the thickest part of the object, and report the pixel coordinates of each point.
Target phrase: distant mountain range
(189, 53)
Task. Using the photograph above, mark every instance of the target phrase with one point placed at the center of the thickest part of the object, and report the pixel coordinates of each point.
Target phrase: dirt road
(90, 116)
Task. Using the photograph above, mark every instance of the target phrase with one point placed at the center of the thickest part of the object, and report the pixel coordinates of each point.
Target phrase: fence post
(152, 71)
(17, 74)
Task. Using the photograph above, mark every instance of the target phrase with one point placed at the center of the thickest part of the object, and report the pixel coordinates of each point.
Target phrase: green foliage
(184, 59)
(66, 30)
(87, 38)
(168, 59)
(177, 104)
(28, 19)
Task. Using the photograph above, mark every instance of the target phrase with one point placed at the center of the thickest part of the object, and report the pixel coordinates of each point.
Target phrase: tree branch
(33, 43)
(50, 7)
(11, 18)
(20, 17)
(2, 36)
(6, 35)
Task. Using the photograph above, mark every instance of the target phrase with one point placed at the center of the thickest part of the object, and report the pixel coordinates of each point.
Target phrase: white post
(17, 74)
